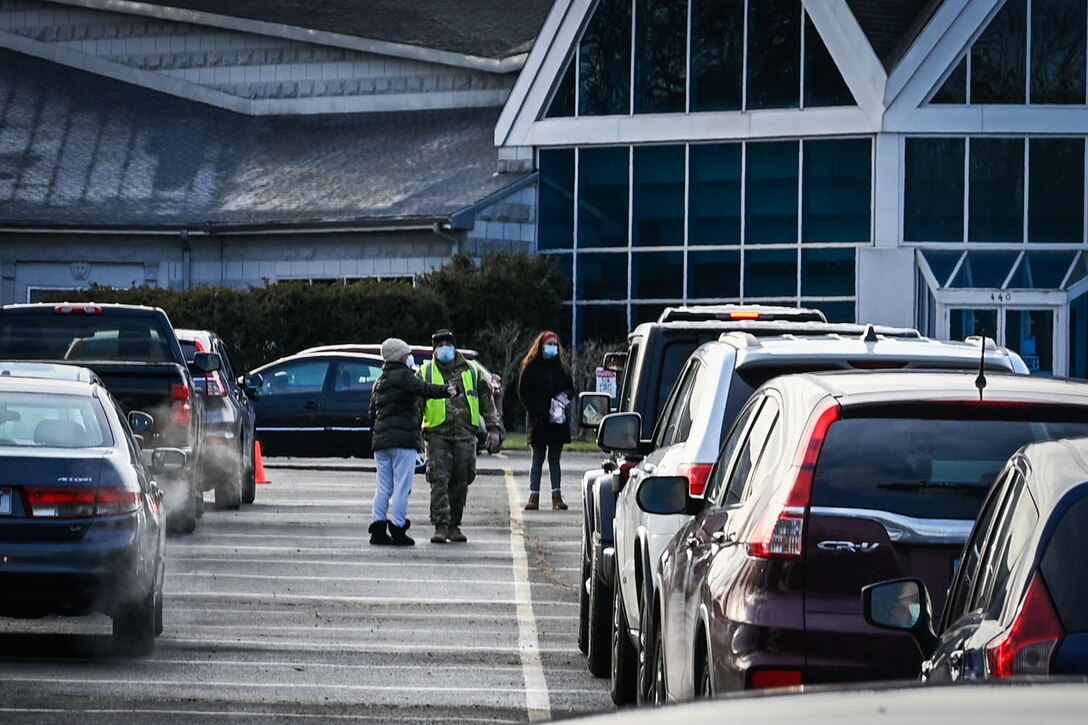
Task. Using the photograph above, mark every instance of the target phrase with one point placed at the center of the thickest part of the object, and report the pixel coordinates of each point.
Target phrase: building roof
(892, 25)
(485, 28)
(82, 150)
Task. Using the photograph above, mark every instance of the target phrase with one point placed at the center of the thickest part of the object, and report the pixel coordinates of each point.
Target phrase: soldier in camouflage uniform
(450, 427)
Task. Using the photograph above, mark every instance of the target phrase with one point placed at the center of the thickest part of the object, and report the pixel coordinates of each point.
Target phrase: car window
(967, 572)
(301, 376)
(84, 337)
(627, 389)
(356, 374)
(771, 453)
(1063, 567)
(52, 420)
(718, 476)
(907, 462)
(750, 452)
(666, 434)
(1006, 543)
(691, 403)
(673, 357)
(228, 365)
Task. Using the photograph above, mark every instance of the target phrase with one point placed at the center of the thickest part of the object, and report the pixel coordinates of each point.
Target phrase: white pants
(396, 467)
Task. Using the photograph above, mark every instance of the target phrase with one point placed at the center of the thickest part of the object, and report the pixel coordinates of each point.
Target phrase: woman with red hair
(546, 388)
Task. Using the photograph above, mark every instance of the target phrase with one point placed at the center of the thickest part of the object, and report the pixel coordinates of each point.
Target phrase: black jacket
(542, 380)
(394, 412)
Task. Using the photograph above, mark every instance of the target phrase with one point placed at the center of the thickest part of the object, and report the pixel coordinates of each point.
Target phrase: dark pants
(451, 467)
(553, 451)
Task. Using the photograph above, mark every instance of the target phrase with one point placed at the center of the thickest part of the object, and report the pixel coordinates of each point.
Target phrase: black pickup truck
(136, 353)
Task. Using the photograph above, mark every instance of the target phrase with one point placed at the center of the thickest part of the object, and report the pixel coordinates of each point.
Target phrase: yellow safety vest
(434, 414)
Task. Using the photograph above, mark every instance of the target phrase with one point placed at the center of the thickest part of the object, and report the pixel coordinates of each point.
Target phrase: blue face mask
(446, 353)
(551, 351)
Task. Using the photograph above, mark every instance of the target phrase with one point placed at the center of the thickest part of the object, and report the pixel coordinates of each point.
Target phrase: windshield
(83, 337)
(45, 420)
(923, 467)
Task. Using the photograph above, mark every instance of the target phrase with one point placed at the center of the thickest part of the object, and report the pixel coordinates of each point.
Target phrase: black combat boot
(398, 535)
(456, 536)
(441, 534)
(378, 535)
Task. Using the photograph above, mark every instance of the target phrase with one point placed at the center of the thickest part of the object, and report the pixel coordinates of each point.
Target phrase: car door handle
(956, 657)
(720, 538)
(311, 405)
(692, 541)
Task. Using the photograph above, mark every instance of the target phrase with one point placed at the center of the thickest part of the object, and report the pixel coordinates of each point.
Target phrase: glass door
(1030, 332)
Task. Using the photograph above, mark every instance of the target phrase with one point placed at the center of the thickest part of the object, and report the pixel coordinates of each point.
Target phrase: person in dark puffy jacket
(396, 439)
(546, 388)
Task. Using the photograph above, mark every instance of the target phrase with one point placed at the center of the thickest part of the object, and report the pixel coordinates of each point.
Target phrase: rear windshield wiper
(935, 486)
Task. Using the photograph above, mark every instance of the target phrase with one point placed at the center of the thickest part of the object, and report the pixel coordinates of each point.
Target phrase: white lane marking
(537, 700)
(293, 645)
(301, 578)
(198, 614)
(221, 715)
(274, 597)
(362, 564)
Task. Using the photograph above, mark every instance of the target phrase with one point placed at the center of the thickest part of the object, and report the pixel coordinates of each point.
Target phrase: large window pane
(714, 194)
(1031, 334)
(837, 191)
(1042, 270)
(827, 272)
(713, 275)
(1056, 190)
(770, 273)
(996, 207)
(562, 104)
(835, 311)
(984, 270)
(1058, 50)
(565, 264)
(771, 193)
(941, 264)
(933, 198)
(964, 323)
(602, 197)
(658, 207)
(717, 54)
(602, 276)
(657, 275)
(824, 84)
(605, 323)
(774, 54)
(998, 58)
(555, 228)
(604, 69)
(954, 89)
(660, 54)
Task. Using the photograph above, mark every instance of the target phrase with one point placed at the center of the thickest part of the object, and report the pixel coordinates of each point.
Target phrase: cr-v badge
(865, 547)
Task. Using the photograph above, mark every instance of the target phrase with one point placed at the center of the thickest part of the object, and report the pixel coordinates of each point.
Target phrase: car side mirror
(902, 605)
(140, 422)
(251, 384)
(207, 362)
(592, 407)
(666, 495)
(167, 460)
(620, 433)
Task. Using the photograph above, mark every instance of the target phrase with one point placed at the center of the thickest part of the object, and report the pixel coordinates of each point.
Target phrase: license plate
(5, 501)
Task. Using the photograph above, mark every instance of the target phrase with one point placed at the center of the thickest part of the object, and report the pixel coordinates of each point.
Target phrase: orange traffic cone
(260, 474)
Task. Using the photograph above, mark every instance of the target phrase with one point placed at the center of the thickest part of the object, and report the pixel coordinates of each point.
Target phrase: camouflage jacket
(458, 425)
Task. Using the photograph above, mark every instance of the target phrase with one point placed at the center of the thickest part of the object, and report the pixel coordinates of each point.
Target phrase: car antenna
(980, 381)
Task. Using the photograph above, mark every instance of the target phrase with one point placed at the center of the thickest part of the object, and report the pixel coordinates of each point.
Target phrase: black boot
(398, 535)
(378, 534)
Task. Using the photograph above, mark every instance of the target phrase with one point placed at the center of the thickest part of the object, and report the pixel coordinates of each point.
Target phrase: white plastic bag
(558, 411)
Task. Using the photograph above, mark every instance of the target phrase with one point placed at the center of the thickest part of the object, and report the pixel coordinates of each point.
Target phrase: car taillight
(1027, 647)
(181, 408)
(761, 679)
(77, 310)
(697, 474)
(779, 533)
(213, 386)
(72, 503)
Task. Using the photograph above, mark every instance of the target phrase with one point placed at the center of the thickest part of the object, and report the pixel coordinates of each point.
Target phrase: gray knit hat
(395, 349)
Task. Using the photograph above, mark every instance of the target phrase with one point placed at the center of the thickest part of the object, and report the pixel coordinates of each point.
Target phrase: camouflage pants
(451, 467)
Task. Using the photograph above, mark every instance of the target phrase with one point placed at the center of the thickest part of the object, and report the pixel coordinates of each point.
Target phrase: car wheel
(658, 690)
(228, 486)
(647, 664)
(249, 476)
(583, 595)
(704, 677)
(134, 626)
(624, 664)
(599, 624)
(158, 611)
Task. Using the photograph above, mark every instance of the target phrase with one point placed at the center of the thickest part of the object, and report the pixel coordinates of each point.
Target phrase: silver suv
(714, 385)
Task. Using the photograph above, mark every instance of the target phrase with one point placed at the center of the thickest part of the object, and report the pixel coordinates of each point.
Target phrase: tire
(183, 521)
(704, 677)
(134, 625)
(624, 669)
(249, 476)
(583, 595)
(647, 664)
(228, 487)
(599, 626)
(658, 689)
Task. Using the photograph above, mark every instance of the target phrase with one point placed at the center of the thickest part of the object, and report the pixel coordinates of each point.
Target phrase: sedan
(316, 404)
(81, 520)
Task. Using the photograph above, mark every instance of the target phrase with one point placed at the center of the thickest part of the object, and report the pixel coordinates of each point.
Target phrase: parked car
(316, 404)
(715, 383)
(229, 422)
(135, 351)
(81, 519)
(829, 482)
(1018, 604)
(656, 352)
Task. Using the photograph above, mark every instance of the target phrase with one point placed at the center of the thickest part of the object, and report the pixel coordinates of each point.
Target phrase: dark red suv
(827, 483)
